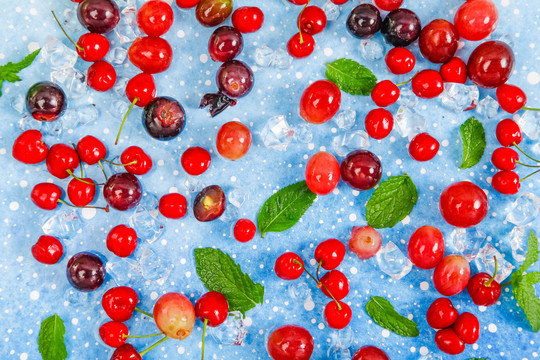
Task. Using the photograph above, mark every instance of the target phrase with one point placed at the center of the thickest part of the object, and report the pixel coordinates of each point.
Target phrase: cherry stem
(65, 33)
(106, 208)
(113, 163)
(103, 170)
(81, 180)
(298, 23)
(140, 336)
(124, 119)
(144, 313)
(530, 109)
(318, 268)
(203, 337)
(528, 176)
(506, 283)
(319, 284)
(527, 165)
(80, 162)
(408, 81)
(488, 283)
(153, 346)
(524, 153)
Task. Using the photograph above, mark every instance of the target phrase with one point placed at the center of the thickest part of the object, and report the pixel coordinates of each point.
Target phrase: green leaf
(530, 258)
(474, 142)
(218, 271)
(51, 339)
(529, 302)
(283, 209)
(351, 77)
(532, 278)
(391, 202)
(383, 313)
(8, 72)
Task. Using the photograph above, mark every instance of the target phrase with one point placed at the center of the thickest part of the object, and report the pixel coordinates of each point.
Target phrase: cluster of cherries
(311, 21)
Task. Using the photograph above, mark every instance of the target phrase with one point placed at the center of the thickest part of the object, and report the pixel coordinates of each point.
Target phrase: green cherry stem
(103, 170)
(527, 165)
(528, 176)
(203, 337)
(106, 208)
(298, 23)
(530, 109)
(153, 346)
(319, 268)
(144, 312)
(319, 284)
(117, 164)
(140, 336)
(488, 283)
(65, 33)
(524, 153)
(124, 119)
(81, 180)
(408, 81)
(80, 162)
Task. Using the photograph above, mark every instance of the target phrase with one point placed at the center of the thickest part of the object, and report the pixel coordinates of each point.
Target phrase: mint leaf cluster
(9, 71)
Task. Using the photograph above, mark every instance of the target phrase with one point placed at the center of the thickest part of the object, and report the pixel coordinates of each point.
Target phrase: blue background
(30, 291)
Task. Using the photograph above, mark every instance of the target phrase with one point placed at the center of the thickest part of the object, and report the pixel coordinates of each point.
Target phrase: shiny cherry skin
(401, 27)
(142, 163)
(119, 303)
(476, 19)
(47, 250)
(29, 147)
(211, 13)
(448, 342)
(244, 230)
(423, 147)
(247, 19)
(233, 140)
(93, 47)
(60, 159)
(491, 64)
(365, 241)
(234, 79)
(320, 102)
(122, 240)
(150, 54)
(298, 2)
(80, 193)
(439, 41)
(46, 101)
(467, 328)
(46, 195)
(91, 150)
(361, 170)
(174, 315)
(508, 132)
(330, 253)
(98, 16)
(336, 283)
(186, 4)
(225, 43)
(364, 21)
(114, 333)
(141, 89)
(290, 342)
(504, 158)
(385, 93)
(164, 118)
(451, 275)
(126, 352)
(388, 5)
(400, 61)
(213, 308)
(335, 317)
(454, 71)
(101, 76)
(122, 191)
(287, 267)
(301, 45)
(441, 313)
(209, 204)
(173, 206)
(86, 271)
(483, 290)
(427, 84)
(370, 352)
(312, 20)
(322, 173)
(506, 182)
(339, 2)
(426, 247)
(155, 17)
(379, 123)
(463, 204)
(195, 160)
(511, 98)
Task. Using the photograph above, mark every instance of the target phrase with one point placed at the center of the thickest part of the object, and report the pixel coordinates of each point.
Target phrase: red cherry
(290, 342)
(388, 5)
(476, 19)
(244, 230)
(92, 47)
(330, 253)
(370, 352)
(438, 41)
(155, 17)
(423, 147)
(441, 313)
(506, 182)
(339, 2)
(365, 241)
(29, 147)
(490, 64)
(337, 318)
(142, 163)
(286, 267)
(508, 132)
(247, 19)
(196, 160)
(47, 250)
(122, 240)
(484, 289)
(511, 98)
(46, 195)
(400, 61)
(322, 173)
(91, 150)
(379, 123)
(504, 158)
(80, 193)
(320, 102)
(186, 4)
(298, 2)
(427, 84)
(142, 88)
(151, 55)
(467, 328)
(426, 247)
(385, 93)
(173, 206)
(451, 275)
(447, 341)
(119, 303)
(61, 159)
(454, 71)
(101, 76)
(213, 308)
(312, 20)
(126, 352)
(301, 47)
(113, 333)
(463, 204)
(336, 283)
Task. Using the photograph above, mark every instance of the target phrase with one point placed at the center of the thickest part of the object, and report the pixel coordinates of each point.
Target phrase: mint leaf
(51, 339)
(383, 313)
(283, 209)
(351, 77)
(8, 72)
(391, 202)
(218, 271)
(532, 278)
(474, 142)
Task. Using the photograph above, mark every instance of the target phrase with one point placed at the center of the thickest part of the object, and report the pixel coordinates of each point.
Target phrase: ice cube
(71, 23)
(231, 214)
(302, 133)
(18, 103)
(459, 97)
(467, 241)
(331, 10)
(277, 134)
(485, 262)
(409, 123)
(519, 242)
(123, 271)
(345, 119)
(264, 56)
(76, 298)
(488, 107)
(117, 55)
(238, 196)
(392, 261)
(281, 59)
(57, 55)
(232, 332)
(72, 81)
(80, 116)
(529, 122)
(153, 267)
(63, 224)
(126, 30)
(145, 219)
(52, 129)
(504, 37)
(127, 7)
(193, 184)
(339, 353)
(407, 98)
(524, 209)
(350, 141)
(342, 338)
(299, 290)
(371, 49)
(27, 122)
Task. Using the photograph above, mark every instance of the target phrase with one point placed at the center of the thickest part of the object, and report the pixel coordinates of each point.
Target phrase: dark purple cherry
(225, 44)
(213, 12)
(46, 101)
(364, 21)
(401, 27)
(234, 78)
(209, 204)
(85, 271)
(98, 16)
(361, 169)
(122, 191)
(164, 118)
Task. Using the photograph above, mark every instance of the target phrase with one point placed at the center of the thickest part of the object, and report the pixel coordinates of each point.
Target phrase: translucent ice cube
(342, 338)
(485, 262)
(504, 37)
(282, 60)
(264, 56)
(459, 97)
(339, 353)
(409, 123)
(153, 267)
(407, 98)
(519, 243)
(331, 10)
(277, 134)
(345, 119)
(371, 49)
(80, 116)
(53, 129)
(231, 214)
(232, 332)
(529, 122)
(63, 224)
(238, 196)
(299, 290)
(76, 298)
(117, 55)
(57, 55)
(71, 22)
(18, 103)
(350, 141)
(122, 271)
(27, 122)
(524, 210)
(145, 220)
(302, 133)
(72, 81)
(193, 184)
(127, 7)
(467, 242)
(392, 261)
(127, 30)
(488, 107)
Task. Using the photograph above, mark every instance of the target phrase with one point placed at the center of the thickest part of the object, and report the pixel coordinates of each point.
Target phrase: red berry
(427, 84)
(213, 307)
(173, 206)
(490, 64)
(151, 54)
(423, 147)
(286, 267)
(400, 61)
(244, 230)
(112, 333)
(122, 240)
(142, 163)
(467, 328)
(126, 352)
(94, 47)
(101, 76)
(336, 283)
(504, 158)
(320, 102)
(174, 315)
(506, 182)
(451, 275)
(142, 88)
(508, 132)
(337, 318)
(186, 4)
(233, 140)
(91, 150)
(290, 342)
(155, 17)
(330, 253)
(385, 93)
(46, 195)
(365, 242)
(195, 160)
(438, 41)
(426, 247)
(454, 71)
(463, 204)
(476, 19)
(441, 314)
(47, 250)
(29, 147)
(247, 19)
(379, 123)
(61, 159)
(483, 290)
(312, 20)
(299, 2)
(301, 46)
(322, 173)
(388, 5)
(511, 98)
(80, 193)
(339, 2)
(119, 303)
(370, 352)
(447, 341)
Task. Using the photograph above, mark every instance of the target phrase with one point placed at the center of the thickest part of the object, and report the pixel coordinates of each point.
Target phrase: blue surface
(30, 291)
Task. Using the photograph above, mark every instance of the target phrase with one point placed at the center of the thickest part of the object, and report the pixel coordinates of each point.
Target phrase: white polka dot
(424, 350)
(173, 189)
(18, 9)
(533, 78)
(248, 321)
(309, 304)
(482, 308)
(233, 178)
(34, 295)
(74, 321)
(23, 356)
(153, 295)
(161, 162)
(3, 151)
(203, 58)
(320, 326)
(353, 270)
(385, 333)
(406, 221)
(298, 75)
(23, 183)
(444, 143)
(106, 131)
(328, 51)
(14, 206)
(275, 309)
(505, 2)
(88, 213)
(33, 11)
(352, 217)
(181, 350)
(492, 328)
(33, 46)
(424, 285)
(180, 33)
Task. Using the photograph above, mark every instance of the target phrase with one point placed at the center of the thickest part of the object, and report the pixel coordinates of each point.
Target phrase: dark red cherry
(490, 64)
(225, 43)
(122, 191)
(438, 41)
(164, 118)
(209, 204)
(86, 271)
(46, 101)
(98, 16)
